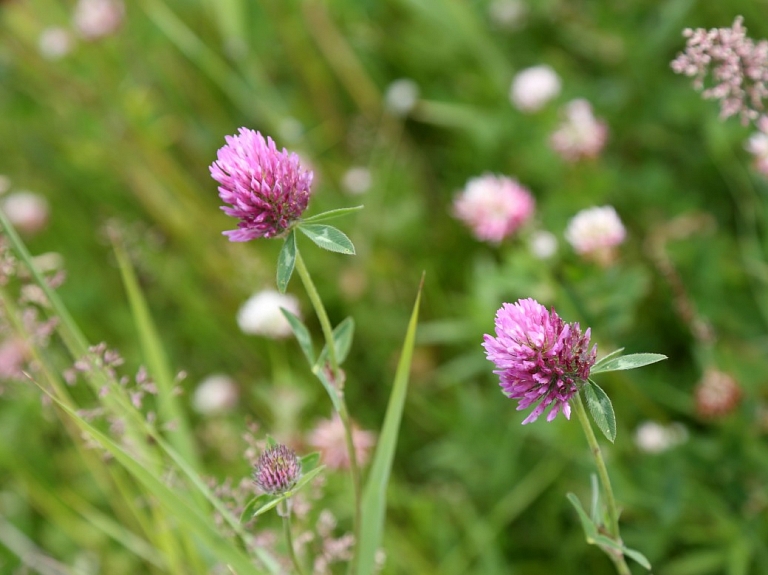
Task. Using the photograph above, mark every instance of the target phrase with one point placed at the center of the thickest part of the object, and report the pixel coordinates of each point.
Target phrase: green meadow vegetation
(395, 105)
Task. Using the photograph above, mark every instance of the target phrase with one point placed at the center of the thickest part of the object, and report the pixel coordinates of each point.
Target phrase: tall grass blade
(157, 362)
(375, 493)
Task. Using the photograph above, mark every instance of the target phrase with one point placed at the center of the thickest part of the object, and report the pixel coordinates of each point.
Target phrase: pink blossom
(534, 87)
(267, 190)
(494, 207)
(539, 358)
(94, 19)
(738, 65)
(595, 232)
(277, 470)
(329, 438)
(757, 145)
(580, 135)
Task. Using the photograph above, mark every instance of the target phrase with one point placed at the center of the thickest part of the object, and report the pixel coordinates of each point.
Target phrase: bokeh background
(117, 131)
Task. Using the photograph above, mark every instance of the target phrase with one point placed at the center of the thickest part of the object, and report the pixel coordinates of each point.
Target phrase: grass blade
(156, 361)
(375, 493)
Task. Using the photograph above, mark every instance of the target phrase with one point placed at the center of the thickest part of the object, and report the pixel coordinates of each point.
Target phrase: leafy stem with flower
(546, 363)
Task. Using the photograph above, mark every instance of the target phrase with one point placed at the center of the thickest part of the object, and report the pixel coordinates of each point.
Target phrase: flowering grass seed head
(277, 470)
(265, 188)
(540, 359)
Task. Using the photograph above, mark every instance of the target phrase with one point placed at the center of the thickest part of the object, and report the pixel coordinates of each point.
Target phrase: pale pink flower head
(27, 211)
(540, 359)
(717, 394)
(54, 43)
(534, 87)
(14, 353)
(277, 470)
(580, 135)
(267, 189)
(328, 437)
(757, 145)
(494, 207)
(595, 232)
(94, 19)
(738, 66)
(217, 393)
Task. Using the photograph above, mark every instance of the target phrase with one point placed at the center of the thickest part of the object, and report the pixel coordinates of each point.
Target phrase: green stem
(325, 325)
(284, 510)
(602, 472)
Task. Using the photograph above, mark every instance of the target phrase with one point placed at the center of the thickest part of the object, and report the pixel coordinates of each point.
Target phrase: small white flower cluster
(91, 20)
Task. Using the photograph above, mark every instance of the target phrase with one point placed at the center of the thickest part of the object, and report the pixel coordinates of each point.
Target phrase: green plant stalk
(284, 510)
(325, 324)
(602, 472)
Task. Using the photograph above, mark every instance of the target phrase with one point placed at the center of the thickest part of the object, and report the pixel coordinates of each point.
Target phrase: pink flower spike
(267, 190)
(494, 207)
(737, 64)
(540, 359)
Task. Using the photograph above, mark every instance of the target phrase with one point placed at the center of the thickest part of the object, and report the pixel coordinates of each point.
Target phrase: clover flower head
(581, 135)
(539, 358)
(328, 436)
(717, 394)
(533, 87)
(595, 232)
(277, 470)
(94, 19)
(494, 207)
(265, 188)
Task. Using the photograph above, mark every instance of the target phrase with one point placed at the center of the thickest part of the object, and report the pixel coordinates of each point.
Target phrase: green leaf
(342, 341)
(319, 371)
(275, 499)
(286, 261)
(590, 529)
(375, 492)
(594, 538)
(332, 214)
(601, 409)
(271, 442)
(248, 512)
(328, 238)
(309, 462)
(631, 361)
(602, 360)
(302, 335)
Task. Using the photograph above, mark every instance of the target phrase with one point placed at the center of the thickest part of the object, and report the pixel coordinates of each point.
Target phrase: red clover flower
(277, 470)
(267, 189)
(539, 357)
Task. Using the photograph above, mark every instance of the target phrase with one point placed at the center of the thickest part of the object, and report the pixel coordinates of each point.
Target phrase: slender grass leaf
(375, 492)
(174, 499)
(328, 238)
(601, 409)
(342, 340)
(331, 215)
(157, 362)
(302, 335)
(286, 261)
(602, 360)
(631, 361)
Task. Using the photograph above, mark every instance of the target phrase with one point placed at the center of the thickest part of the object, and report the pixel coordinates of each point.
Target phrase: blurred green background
(121, 130)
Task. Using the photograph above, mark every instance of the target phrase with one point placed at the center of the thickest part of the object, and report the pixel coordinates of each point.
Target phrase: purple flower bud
(277, 470)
